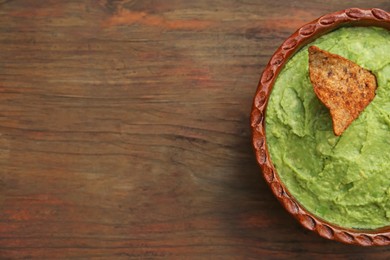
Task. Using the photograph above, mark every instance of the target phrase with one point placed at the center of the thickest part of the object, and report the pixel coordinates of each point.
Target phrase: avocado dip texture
(344, 180)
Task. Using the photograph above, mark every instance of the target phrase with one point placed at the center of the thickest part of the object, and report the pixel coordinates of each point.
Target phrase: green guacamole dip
(344, 180)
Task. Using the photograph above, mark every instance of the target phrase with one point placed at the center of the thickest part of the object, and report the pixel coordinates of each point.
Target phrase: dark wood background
(124, 130)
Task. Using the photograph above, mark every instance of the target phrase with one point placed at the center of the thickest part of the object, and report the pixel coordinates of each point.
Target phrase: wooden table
(124, 130)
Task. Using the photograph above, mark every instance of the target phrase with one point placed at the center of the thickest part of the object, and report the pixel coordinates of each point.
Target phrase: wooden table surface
(124, 130)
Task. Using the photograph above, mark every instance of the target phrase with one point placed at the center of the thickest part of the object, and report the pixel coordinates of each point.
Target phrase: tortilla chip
(342, 86)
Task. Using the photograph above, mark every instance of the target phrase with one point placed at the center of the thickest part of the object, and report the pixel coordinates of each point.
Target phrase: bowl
(304, 35)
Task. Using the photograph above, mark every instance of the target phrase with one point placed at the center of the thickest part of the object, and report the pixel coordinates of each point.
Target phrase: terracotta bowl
(304, 35)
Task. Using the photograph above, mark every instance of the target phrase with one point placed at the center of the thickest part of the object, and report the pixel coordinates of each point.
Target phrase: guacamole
(345, 179)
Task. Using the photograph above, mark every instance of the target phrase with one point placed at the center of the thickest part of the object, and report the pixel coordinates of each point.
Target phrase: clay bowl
(303, 36)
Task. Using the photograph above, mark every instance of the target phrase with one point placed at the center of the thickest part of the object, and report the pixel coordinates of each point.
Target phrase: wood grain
(124, 130)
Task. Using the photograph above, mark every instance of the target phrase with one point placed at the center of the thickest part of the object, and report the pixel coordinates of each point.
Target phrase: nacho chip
(341, 85)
